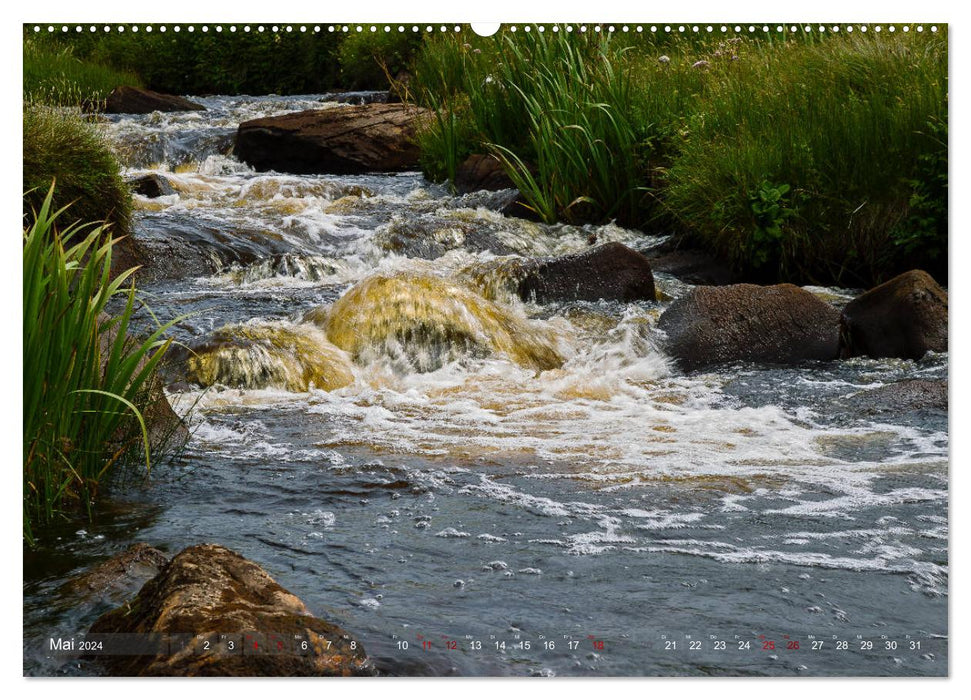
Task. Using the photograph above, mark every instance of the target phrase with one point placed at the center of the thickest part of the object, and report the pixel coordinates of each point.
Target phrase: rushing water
(559, 483)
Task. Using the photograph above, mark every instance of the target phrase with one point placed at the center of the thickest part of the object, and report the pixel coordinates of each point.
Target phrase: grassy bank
(85, 382)
(54, 75)
(804, 159)
(60, 145)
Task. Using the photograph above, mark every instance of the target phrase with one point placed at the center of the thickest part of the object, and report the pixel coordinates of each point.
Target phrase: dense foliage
(805, 159)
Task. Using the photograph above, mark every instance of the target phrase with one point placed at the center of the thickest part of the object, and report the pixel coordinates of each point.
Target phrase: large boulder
(610, 271)
(132, 100)
(782, 324)
(341, 140)
(210, 601)
(904, 317)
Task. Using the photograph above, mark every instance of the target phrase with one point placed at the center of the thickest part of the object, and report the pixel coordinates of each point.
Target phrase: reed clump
(86, 382)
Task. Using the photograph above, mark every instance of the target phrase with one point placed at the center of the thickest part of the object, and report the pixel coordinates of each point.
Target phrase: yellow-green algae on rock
(279, 355)
(431, 320)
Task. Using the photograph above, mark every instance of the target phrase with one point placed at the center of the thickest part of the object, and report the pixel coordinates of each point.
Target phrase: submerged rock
(279, 355)
(121, 575)
(904, 317)
(211, 595)
(426, 321)
(132, 100)
(900, 397)
(150, 185)
(342, 140)
(165, 247)
(611, 271)
(780, 324)
(690, 265)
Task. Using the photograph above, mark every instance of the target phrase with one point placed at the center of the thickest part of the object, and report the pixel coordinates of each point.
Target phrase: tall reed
(86, 383)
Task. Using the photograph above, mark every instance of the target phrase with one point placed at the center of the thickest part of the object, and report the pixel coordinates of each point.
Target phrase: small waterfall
(269, 355)
(426, 321)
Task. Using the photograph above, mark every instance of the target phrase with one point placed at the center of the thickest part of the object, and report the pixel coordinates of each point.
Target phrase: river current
(469, 497)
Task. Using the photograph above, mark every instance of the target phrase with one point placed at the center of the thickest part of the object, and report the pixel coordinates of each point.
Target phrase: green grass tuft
(60, 145)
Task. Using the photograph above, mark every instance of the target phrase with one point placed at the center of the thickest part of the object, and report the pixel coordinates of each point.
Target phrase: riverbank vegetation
(61, 145)
(808, 160)
(798, 156)
(86, 382)
(196, 62)
(54, 75)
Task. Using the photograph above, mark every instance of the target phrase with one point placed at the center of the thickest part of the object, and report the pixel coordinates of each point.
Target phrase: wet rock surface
(481, 172)
(780, 324)
(690, 265)
(900, 397)
(905, 317)
(151, 185)
(343, 140)
(610, 271)
(132, 100)
(207, 591)
(121, 575)
(168, 249)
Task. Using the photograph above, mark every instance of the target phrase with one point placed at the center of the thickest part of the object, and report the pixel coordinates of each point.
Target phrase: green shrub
(844, 124)
(802, 157)
(85, 382)
(59, 145)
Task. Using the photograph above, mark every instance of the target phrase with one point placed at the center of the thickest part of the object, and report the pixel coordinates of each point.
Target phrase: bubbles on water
(451, 532)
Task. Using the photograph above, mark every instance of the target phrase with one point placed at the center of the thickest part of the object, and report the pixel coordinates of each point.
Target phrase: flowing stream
(502, 472)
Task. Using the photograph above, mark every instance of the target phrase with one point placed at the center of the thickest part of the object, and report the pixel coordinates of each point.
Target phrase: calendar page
(563, 349)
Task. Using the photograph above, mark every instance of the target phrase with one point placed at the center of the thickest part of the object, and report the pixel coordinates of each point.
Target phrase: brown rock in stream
(132, 100)
(208, 596)
(781, 324)
(904, 317)
(122, 574)
(341, 140)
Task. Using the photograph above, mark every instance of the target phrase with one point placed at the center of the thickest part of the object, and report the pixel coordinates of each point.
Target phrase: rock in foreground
(781, 324)
(342, 140)
(207, 591)
(904, 317)
(132, 100)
